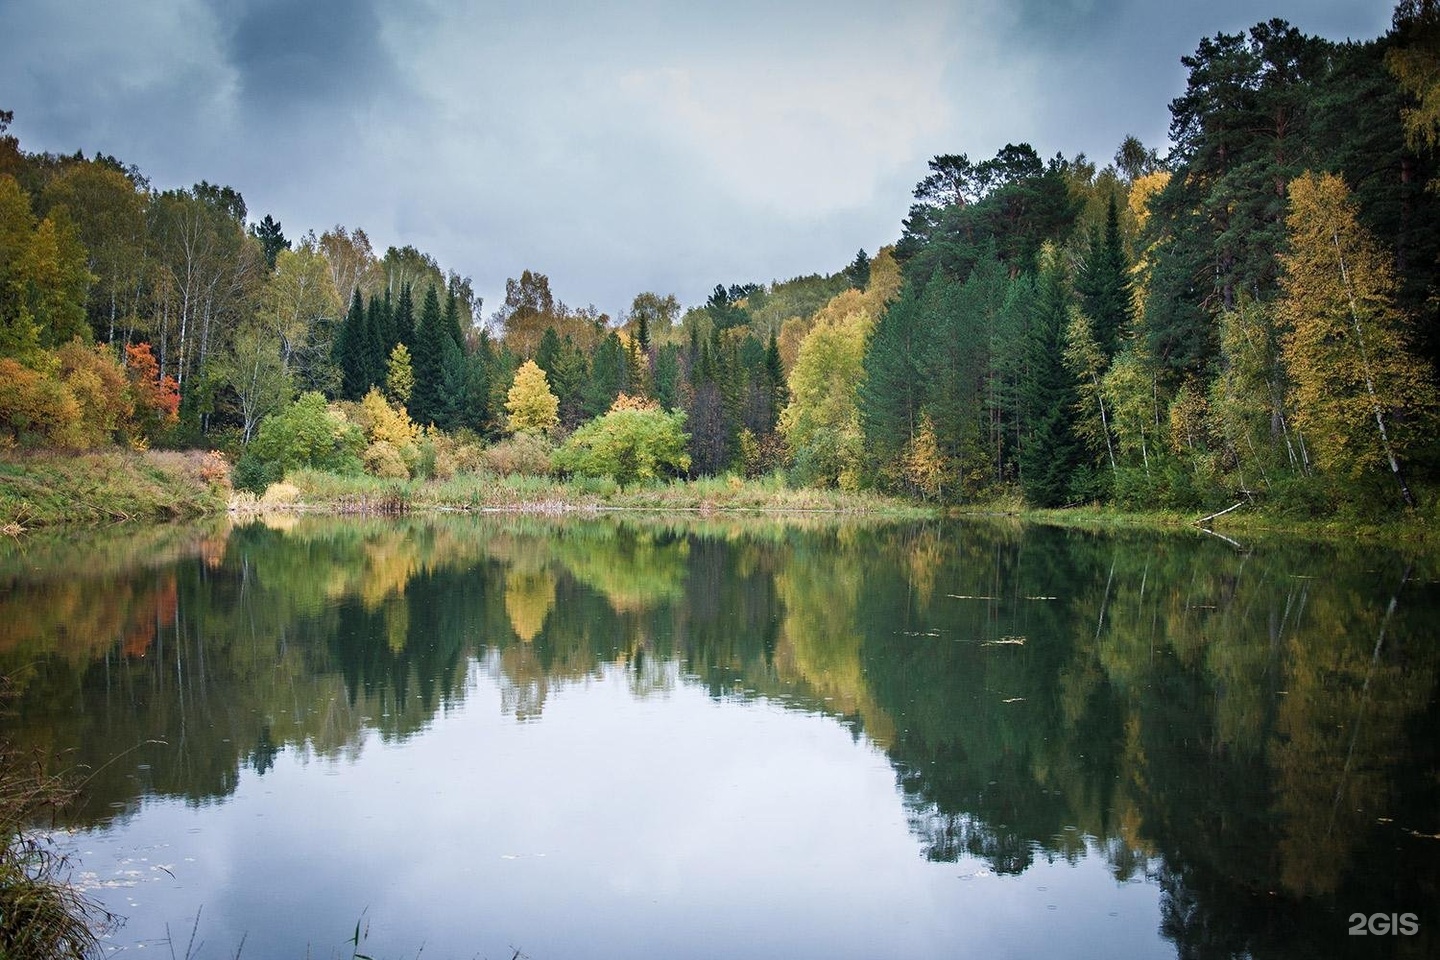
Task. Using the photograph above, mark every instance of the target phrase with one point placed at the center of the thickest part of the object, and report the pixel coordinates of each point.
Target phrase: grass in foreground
(45, 488)
(42, 917)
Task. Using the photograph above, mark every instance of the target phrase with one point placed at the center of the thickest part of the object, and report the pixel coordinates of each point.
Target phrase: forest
(1252, 317)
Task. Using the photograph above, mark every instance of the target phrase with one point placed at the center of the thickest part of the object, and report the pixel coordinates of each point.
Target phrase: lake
(594, 738)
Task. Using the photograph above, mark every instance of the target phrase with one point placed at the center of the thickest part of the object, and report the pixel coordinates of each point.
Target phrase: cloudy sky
(616, 147)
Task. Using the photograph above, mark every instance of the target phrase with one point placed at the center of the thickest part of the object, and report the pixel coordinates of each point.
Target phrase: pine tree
(271, 237)
(1050, 452)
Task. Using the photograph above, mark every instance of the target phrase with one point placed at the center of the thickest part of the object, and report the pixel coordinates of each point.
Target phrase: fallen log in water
(1221, 513)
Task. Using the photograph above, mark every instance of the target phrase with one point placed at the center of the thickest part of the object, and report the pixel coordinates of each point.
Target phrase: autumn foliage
(156, 396)
(79, 397)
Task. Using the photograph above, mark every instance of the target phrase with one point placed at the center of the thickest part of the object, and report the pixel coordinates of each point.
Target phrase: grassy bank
(327, 492)
(48, 488)
(1418, 528)
(44, 488)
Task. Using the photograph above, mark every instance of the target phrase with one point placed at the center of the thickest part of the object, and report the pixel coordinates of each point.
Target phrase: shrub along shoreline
(49, 488)
(318, 491)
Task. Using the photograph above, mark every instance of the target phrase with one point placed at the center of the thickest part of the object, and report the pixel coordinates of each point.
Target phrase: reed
(42, 915)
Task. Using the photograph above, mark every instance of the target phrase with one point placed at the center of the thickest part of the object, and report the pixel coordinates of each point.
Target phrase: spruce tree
(452, 320)
(667, 376)
(775, 376)
(403, 319)
(376, 342)
(858, 273)
(568, 380)
(474, 411)
(548, 351)
(642, 330)
(428, 354)
(348, 350)
(454, 386)
(1103, 283)
(607, 376)
(954, 362)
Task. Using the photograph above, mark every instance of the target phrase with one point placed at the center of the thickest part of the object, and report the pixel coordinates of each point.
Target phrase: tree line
(1252, 315)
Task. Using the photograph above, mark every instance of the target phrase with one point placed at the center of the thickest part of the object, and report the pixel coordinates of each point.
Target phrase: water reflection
(1252, 731)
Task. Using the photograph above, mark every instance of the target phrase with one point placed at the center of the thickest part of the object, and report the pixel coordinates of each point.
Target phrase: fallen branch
(1221, 513)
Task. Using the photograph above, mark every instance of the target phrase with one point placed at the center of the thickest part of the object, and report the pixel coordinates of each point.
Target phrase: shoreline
(50, 489)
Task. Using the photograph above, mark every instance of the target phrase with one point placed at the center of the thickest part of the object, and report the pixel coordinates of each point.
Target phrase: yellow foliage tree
(922, 462)
(1359, 394)
(821, 424)
(298, 296)
(531, 405)
(528, 599)
(399, 374)
(391, 424)
(1415, 61)
(625, 401)
(393, 437)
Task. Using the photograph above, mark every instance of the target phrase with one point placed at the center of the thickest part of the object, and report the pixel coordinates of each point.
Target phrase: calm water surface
(643, 739)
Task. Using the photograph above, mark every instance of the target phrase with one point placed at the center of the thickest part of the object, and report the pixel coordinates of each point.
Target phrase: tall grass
(484, 490)
(45, 487)
(42, 916)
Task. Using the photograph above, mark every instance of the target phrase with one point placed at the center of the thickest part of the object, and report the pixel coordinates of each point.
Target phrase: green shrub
(627, 445)
(304, 434)
(253, 474)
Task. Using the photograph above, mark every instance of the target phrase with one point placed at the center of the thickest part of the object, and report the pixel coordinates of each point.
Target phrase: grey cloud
(315, 52)
(616, 147)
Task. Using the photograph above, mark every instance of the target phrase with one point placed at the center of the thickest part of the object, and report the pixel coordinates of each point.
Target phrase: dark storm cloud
(1109, 68)
(317, 52)
(140, 81)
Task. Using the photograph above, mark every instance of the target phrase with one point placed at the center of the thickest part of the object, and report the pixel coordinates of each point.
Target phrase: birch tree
(1359, 393)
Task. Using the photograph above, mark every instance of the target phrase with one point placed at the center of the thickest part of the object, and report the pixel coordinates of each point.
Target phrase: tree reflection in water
(1251, 730)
